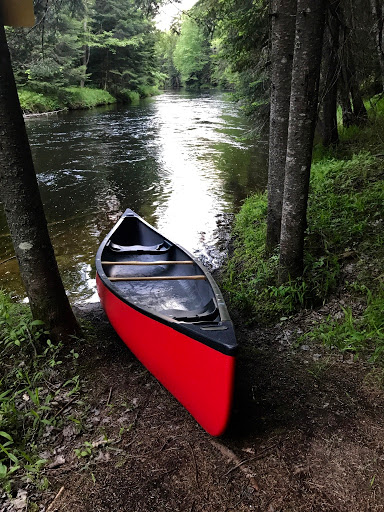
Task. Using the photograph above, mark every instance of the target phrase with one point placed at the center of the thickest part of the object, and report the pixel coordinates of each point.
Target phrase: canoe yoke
(140, 249)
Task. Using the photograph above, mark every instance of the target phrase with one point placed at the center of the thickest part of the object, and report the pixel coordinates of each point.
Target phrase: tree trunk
(345, 102)
(86, 54)
(283, 37)
(310, 20)
(86, 48)
(20, 196)
(348, 62)
(331, 74)
(378, 19)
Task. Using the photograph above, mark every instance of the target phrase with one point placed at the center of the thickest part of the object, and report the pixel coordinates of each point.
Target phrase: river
(183, 161)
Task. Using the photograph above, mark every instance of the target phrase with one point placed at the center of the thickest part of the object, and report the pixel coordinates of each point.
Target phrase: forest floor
(307, 433)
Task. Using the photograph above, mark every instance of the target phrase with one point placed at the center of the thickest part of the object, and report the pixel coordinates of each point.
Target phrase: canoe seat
(206, 313)
(140, 249)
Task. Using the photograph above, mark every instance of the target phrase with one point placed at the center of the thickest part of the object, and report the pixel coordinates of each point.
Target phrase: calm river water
(182, 161)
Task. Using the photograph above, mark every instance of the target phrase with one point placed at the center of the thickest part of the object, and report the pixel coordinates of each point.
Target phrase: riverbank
(344, 254)
(76, 98)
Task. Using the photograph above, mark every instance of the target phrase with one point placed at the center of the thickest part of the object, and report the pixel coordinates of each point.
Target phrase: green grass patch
(356, 333)
(345, 219)
(49, 99)
(85, 97)
(32, 385)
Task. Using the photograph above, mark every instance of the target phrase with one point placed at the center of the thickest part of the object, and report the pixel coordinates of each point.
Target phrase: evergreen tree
(122, 46)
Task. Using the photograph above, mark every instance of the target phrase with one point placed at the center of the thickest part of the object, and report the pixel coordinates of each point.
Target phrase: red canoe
(170, 312)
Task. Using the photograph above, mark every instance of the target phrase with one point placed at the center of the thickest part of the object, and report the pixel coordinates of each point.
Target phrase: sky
(168, 12)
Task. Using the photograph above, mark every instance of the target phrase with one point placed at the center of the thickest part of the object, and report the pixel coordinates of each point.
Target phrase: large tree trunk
(283, 37)
(20, 196)
(331, 74)
(302, 120)
(378, 19)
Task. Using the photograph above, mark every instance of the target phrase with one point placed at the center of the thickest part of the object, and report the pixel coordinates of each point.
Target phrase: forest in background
(86, 52)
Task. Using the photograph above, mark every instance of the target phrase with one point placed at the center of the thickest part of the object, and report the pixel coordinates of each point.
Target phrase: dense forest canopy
(116, 46)
(103, 44)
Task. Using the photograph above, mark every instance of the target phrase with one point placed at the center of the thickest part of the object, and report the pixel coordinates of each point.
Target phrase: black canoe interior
(185, 300)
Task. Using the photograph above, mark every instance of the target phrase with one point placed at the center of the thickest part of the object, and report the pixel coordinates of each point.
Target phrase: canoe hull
(200, 377)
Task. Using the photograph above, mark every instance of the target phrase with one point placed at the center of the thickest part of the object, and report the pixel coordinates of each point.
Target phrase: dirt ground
(307, 434)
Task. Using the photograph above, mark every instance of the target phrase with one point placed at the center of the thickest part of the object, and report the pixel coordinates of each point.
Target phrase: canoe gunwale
(202, 331)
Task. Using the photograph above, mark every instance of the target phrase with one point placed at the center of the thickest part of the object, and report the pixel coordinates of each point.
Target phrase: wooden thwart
(155, 278)
(147, 262)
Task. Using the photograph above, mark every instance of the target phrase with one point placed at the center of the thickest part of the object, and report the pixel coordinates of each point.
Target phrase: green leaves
(7, 436)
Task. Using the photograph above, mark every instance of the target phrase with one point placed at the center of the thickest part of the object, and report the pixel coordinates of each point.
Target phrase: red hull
(200, 377)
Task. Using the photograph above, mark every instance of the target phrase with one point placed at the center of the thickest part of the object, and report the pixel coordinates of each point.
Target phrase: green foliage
(28, 369)
(65, 98)
(356, 332)
(165, 49)
(192, 54)
(122, 54)
(84, 451)
(344, 217)
(85, 97)
(240, 40)
(127, 96)
(106, 44)
(250, 276)
(32, 101)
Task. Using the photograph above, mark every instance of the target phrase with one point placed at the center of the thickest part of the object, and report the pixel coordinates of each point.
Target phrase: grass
(62, 99)
(47, 98)
(345, 223)
(357, 333)
(32, 383)
(85, 97)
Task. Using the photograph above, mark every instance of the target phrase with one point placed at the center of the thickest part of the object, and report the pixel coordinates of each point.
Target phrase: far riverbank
(51, 99)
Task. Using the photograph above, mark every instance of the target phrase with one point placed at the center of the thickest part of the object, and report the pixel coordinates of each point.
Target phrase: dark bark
(310, 20)
(283, 35)
(331, 73)
(378, 19)
(345, 102)
(350, 78)
(20, 196)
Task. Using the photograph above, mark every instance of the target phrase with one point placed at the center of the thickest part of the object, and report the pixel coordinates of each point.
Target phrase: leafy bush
(128, 96)
(35, 102)
(147, 90)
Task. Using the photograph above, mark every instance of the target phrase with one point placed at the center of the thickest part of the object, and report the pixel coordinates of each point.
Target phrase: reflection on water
(179, 160)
